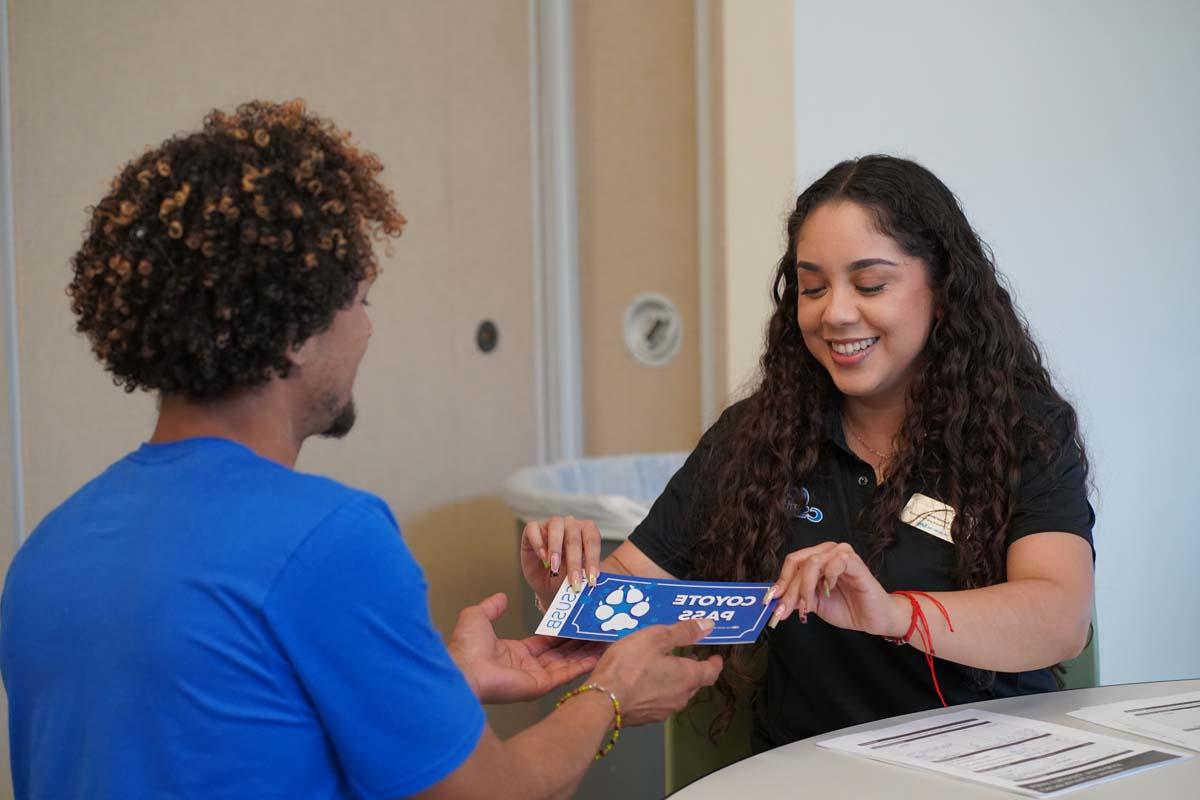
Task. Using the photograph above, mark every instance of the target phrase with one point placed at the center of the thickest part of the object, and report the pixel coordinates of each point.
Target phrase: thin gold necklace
(854, 433)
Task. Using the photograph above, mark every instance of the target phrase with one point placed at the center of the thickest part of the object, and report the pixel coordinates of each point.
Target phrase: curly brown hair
(219, 250)
(966, 430)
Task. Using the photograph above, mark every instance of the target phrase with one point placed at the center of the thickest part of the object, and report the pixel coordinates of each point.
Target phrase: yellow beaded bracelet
(588, 687)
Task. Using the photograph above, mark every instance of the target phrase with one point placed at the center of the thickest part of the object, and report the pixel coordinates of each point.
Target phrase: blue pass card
(621, 604)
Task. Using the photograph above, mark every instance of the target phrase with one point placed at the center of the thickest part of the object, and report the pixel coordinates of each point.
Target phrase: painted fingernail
(706, 625)
(555, 562)
(777, 616)
(592, 578)
(767, 597)
(576, 583)
(827, 590)
(545, 563)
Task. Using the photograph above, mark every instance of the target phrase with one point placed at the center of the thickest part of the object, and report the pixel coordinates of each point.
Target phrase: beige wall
(8, 534)
(636, 147)
(754, 153)
(440, 89)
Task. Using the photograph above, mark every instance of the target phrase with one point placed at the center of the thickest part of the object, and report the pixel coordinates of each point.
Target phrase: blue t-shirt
(200, 622)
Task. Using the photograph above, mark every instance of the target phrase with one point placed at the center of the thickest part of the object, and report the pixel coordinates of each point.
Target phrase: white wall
(1069, 131)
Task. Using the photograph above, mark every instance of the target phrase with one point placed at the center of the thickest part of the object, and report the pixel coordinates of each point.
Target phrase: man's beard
(342, 423)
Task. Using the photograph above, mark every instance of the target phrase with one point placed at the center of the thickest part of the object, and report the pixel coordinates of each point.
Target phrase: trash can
(616, 493)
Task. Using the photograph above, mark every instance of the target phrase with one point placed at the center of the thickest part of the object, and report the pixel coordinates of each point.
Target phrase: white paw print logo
(622, 609)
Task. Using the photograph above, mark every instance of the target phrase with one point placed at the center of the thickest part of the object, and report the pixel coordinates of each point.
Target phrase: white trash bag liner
(615, 492)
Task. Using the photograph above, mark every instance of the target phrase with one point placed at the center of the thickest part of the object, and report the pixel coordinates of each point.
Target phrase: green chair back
(1083, 671)
(689, 753)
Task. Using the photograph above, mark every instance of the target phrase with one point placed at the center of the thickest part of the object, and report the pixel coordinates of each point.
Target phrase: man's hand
(510, 671)
(651, 682)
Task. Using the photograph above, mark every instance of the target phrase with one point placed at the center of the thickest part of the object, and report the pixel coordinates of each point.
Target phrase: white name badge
(929, 515)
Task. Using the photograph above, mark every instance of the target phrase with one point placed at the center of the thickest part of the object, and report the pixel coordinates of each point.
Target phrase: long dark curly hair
(216, 252)
(965, 432)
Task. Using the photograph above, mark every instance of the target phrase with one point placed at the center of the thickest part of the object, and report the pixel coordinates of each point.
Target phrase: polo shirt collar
(835, 432)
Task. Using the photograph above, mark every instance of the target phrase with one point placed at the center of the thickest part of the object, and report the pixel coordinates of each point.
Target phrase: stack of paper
(1020, 755)
(1174, 719)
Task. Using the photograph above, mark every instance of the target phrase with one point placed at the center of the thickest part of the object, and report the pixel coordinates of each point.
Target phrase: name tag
(621, 604)
(929, 515)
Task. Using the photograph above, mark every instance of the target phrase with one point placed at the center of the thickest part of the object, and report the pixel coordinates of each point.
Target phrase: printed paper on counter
(1174, 719)
(1033, 758)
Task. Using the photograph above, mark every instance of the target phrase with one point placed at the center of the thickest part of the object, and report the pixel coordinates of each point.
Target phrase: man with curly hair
(201, 620)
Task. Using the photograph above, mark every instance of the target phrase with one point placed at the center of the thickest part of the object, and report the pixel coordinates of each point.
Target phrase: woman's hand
(832, 581)
(557, 549)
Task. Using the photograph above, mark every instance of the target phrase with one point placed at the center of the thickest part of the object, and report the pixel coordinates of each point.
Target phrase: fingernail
(767, 597)
(576, 583)
(555, 561)
(545, 563)
(804, 619)
(706, 625)
(592, 578)
(826, 588)
(777, 616)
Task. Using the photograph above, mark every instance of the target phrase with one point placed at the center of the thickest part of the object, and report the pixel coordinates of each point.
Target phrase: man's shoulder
(292, 501)
(226, 474)
(223, 494)
(321, 499)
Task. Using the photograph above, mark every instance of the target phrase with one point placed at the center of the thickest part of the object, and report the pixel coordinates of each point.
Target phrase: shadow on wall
(6, 790)
(7, 546)
(469, 551)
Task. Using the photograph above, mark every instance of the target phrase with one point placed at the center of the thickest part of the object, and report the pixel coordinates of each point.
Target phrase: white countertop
(802, 769)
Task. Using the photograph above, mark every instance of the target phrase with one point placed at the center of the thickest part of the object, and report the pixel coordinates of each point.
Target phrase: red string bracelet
(920, 625)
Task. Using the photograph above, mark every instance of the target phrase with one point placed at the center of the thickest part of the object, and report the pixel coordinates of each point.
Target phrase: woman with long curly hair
(905, 472)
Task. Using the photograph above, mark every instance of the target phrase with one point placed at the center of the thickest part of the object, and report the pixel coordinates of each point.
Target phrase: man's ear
(302, 353)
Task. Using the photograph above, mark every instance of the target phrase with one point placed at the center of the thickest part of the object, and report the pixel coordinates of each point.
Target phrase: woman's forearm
(1019, 625)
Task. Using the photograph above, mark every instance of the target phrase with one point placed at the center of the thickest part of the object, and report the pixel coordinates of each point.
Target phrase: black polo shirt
(820, 678)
